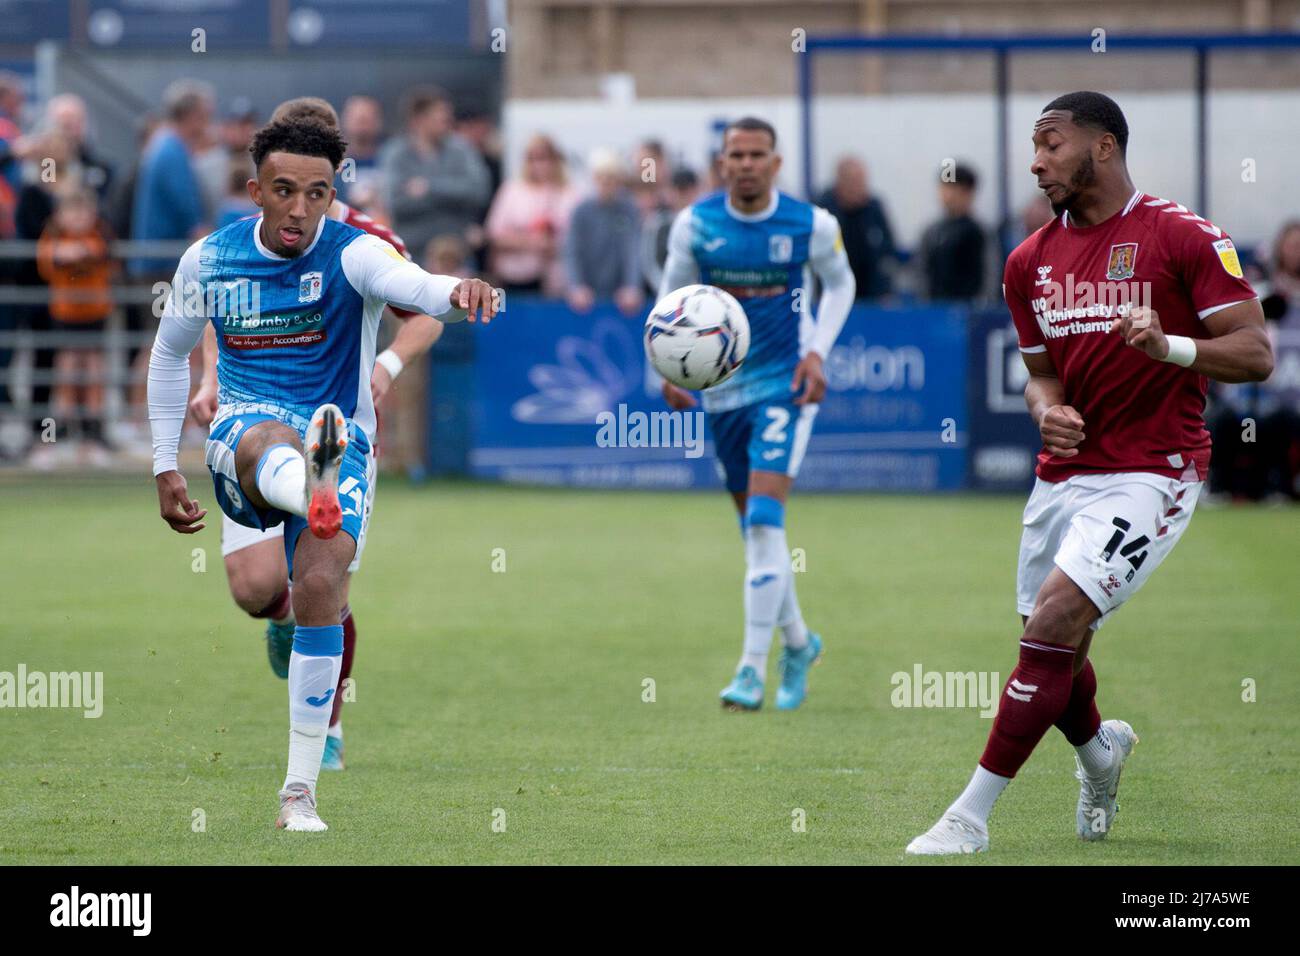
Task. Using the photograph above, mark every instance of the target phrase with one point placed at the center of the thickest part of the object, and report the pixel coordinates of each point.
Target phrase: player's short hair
(311, 108)
(301, 137)
(753, 124)
(1095, 110)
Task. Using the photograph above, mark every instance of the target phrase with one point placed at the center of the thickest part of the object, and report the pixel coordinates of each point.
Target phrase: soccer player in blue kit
(760, 245)
(295, 298)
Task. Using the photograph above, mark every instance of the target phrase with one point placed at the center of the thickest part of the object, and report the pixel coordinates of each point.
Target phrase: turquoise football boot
(745, 692)
(279, 644)
(332, 758)
(794, 668)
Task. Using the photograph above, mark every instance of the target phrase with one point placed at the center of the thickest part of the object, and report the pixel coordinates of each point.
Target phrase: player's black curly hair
(302, 137)
(1096, 110)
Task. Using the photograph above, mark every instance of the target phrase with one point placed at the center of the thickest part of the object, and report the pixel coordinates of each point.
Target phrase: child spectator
(72, 256)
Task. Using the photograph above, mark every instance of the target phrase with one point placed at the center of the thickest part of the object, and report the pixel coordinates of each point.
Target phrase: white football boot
(298, 811)
(1097, 803)
(951, 835)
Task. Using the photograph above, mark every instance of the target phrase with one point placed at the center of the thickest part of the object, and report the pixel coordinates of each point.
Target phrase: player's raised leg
(271, 468)
(275, 473)
(319, 568)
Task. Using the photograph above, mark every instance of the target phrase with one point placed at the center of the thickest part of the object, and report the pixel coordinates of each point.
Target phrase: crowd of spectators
(585, 229)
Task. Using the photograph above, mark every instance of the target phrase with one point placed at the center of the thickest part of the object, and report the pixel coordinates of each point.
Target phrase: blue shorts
(766, 436)
(356, 481)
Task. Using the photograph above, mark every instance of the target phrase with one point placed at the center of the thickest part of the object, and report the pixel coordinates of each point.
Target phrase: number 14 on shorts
(1122, 528)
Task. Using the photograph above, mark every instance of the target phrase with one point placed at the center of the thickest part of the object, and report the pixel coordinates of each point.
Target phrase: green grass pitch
(516, 697)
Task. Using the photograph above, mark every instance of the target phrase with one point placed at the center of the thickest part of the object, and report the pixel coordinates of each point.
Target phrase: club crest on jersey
(780, 247)
(1123, 257)
(1228, 256)
(309, 286)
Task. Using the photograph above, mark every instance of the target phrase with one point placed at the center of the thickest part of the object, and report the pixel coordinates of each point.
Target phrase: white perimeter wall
(905, 138)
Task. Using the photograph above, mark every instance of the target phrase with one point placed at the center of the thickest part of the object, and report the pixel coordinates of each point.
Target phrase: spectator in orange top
(72, 256)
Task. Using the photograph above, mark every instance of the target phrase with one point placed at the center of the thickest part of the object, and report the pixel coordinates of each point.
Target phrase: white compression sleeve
(378, 271)
(179, 331)
(831, 266)
(680, 267)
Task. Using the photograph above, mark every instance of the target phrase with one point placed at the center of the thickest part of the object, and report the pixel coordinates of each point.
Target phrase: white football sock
(976, 801)
(336, 730)
(312, 680)
(282, 479)
(1096, 755)
(766, 570)
(794, 633)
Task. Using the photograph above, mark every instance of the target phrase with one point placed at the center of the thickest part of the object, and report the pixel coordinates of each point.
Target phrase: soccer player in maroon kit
(1125, 305)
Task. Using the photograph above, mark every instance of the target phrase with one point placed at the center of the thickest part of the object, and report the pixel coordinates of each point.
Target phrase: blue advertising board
(170, 24)
(1004, 442)
(565, 399)
(351, 23)
(28, 22)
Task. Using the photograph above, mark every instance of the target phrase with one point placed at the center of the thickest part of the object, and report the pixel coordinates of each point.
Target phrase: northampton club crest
(1122, 258)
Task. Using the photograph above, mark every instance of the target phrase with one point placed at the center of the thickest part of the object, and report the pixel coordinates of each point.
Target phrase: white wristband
(1182, 350)
(390, 361)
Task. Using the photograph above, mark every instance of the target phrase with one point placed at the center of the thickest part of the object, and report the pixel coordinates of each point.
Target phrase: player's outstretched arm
(378, 271)
(1237, 351)
(474, 296)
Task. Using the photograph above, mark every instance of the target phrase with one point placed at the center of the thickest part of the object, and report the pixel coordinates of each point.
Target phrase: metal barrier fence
(28, 337)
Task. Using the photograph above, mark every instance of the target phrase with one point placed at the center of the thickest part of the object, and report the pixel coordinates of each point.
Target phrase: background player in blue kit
(295, 298)
(761, 246)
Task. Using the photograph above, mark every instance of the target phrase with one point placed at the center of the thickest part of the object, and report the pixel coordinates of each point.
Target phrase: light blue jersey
(292, 333)
(765, 260)
(297, 343)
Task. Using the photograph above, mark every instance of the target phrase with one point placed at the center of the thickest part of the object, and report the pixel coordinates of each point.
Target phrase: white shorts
(236, 536)
(1107, 532)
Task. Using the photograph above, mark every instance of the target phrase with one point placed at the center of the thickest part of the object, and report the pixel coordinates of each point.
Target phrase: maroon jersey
(346, 214)
(1065, 284)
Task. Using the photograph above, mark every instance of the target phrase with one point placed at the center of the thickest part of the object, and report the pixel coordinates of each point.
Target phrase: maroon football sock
(1033, 699)
(349, 647)
(1080, 720)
